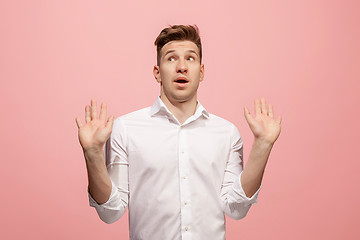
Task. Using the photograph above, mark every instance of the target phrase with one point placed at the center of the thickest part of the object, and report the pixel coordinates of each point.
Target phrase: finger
(93, 109)
(264, 109)
(78, 122)
(257, 107)
(271, 111)
(87, 114)
(247, 115)
(103, 112)
(110, 122)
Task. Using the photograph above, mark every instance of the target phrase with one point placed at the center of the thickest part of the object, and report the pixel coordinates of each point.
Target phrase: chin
(183, 98)
(179, 96)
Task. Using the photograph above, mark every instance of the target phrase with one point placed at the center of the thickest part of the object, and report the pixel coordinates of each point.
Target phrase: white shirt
(178, 180)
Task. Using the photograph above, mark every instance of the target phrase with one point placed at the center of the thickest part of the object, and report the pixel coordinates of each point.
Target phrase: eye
(191, 58)
(171, 59)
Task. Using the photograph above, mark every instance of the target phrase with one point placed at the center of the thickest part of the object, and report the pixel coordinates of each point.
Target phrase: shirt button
(184, 177)
(185, 202)
(186, 229)
(182, 151)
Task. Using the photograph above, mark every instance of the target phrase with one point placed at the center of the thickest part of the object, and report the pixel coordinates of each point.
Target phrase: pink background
(303, 56)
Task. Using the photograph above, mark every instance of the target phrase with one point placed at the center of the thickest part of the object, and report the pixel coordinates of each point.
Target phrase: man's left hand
(263, 125)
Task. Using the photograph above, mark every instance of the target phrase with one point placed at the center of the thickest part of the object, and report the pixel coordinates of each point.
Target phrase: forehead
(180, 46)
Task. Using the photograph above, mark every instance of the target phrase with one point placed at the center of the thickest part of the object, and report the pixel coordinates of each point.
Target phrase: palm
(263, 125)
(97, 130)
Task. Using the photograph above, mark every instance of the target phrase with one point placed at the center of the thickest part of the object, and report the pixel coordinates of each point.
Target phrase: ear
(201, 72)
(156, 72)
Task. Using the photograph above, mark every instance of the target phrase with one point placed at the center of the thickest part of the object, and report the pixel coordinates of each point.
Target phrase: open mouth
(181, 80)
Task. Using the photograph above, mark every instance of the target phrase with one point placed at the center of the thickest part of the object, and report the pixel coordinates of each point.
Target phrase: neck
(181, 110)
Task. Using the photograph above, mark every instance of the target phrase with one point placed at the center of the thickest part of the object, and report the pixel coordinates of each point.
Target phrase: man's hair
(178, 32)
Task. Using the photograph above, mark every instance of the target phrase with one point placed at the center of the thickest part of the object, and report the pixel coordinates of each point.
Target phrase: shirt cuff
(240, 191)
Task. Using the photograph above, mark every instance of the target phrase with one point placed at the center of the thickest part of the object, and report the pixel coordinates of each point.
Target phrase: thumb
(247, 115)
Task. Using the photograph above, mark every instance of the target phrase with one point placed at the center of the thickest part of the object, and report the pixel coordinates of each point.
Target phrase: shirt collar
(159, 108)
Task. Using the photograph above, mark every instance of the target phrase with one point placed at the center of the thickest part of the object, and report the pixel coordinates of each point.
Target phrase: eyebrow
(171, 51)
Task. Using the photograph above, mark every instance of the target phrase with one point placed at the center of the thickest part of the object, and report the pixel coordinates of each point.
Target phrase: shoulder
(136, 117)
(140, 114)
(216, 120)
(123, 124)
(224, 125)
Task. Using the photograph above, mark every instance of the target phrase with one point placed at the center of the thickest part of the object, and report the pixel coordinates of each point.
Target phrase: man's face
(180, 71)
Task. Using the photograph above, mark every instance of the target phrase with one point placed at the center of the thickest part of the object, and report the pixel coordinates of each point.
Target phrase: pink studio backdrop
(303, 56)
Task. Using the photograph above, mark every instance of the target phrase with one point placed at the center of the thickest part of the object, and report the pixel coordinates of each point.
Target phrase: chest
(163, 149)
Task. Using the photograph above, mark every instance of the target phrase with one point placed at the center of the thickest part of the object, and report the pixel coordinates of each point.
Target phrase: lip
(181, 81)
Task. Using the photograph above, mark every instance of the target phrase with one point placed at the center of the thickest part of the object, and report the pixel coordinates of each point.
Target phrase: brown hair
(177, 32)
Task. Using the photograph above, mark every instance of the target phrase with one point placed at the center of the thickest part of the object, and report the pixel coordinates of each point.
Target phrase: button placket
(184, 184)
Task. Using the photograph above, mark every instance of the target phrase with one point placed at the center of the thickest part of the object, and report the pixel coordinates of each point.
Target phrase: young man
(176, 166)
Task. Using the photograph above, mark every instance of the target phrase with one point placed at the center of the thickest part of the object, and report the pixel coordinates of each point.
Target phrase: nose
(181, 66)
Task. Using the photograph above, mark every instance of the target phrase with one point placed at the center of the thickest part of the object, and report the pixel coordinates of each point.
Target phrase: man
(177, 167)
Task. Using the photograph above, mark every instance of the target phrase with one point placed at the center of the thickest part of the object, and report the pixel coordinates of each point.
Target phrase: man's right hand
(92, 136)
(94, 133)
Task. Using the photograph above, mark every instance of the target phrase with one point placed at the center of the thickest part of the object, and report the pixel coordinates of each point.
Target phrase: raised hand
(263, 125)
(94, 133)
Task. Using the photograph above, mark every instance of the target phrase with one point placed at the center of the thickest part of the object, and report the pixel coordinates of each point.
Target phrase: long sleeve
(236, 203)
(117, 165)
